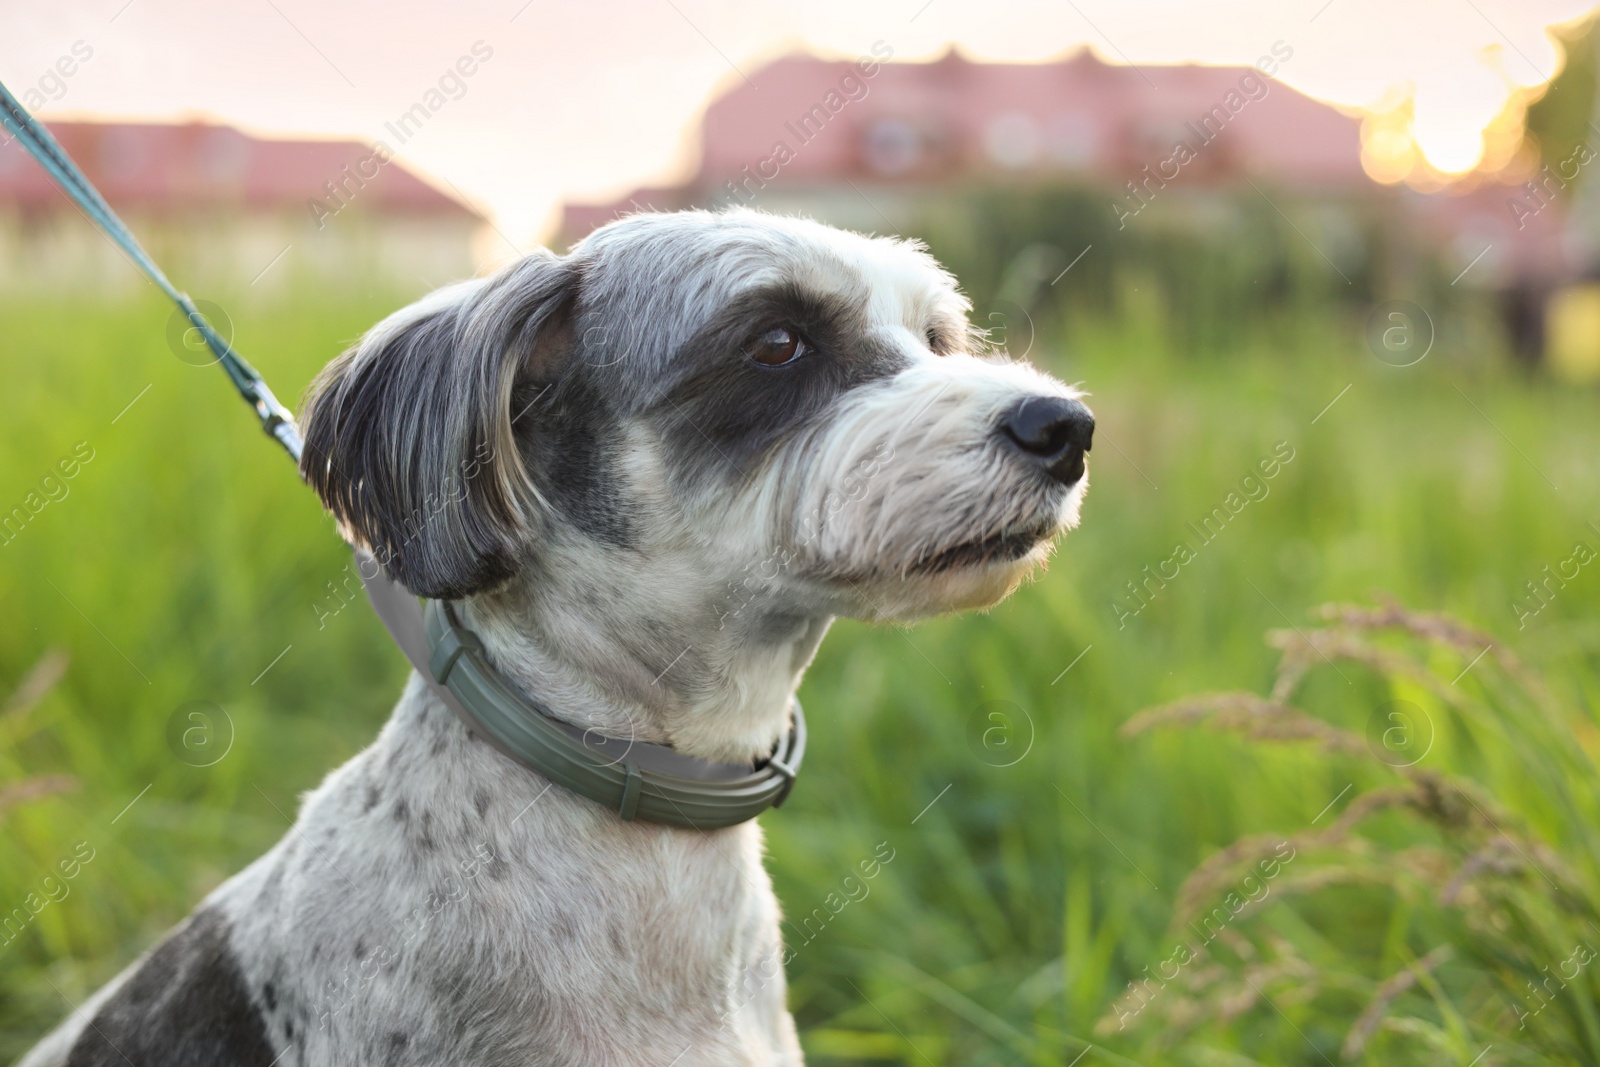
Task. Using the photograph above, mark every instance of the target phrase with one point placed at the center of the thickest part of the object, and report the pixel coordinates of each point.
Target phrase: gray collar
(636, 779)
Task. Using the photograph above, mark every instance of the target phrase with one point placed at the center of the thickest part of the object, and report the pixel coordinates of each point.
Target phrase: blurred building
(221, 208)
(810, 134)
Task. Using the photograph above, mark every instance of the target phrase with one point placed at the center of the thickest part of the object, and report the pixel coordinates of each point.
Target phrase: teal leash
(276, 419)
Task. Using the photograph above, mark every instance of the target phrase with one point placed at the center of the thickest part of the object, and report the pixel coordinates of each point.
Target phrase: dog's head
(732, 411)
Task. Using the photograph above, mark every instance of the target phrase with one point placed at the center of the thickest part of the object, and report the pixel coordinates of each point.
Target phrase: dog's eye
(776, 347)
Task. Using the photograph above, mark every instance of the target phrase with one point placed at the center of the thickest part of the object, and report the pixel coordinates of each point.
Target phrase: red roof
(939, 119)
(181, 167)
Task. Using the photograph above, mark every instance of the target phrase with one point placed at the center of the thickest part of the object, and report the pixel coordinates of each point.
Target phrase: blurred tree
(1561, 126)
(1560, 118)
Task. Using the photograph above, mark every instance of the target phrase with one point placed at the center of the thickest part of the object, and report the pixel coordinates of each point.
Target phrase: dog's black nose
(1052, 432)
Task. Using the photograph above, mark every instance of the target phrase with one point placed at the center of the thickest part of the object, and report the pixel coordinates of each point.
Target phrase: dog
(648, 474)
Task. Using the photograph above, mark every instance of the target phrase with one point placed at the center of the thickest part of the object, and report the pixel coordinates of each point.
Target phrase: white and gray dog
(687, 446)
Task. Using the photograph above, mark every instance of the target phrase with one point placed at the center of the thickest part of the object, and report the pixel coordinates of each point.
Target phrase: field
(1039, 852)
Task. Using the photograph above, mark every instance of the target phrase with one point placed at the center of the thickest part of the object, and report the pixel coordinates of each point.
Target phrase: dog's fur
(651, 534)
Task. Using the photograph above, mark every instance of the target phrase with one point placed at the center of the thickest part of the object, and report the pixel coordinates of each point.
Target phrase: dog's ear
(408, 435)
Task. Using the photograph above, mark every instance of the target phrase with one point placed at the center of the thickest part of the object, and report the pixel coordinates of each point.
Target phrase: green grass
(1017, 908)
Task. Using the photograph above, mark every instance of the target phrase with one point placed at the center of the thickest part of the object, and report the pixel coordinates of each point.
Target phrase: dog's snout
(1053, 432)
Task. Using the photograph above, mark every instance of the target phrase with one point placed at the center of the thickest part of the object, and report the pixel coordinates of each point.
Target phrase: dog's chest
(435, 903)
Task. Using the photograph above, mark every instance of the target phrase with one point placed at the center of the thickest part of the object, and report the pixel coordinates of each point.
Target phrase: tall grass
(1479, 870)
(1039, 855)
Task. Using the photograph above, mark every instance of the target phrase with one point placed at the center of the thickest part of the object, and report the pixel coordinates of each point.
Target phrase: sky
(587, 100)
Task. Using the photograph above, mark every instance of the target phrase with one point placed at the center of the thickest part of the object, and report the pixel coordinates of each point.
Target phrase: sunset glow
(587, 102)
